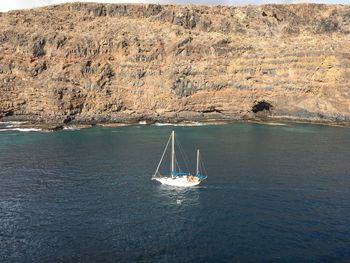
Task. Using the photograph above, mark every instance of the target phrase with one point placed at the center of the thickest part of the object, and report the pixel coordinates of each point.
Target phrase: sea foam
(181, 124)
(22, 129)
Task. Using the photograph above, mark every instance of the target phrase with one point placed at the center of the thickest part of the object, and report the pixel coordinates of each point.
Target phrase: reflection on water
(186, 197)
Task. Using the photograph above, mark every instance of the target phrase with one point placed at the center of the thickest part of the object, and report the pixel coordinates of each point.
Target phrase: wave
(71, 128)
(22, 129)
(275, 123)
(181, 124)
(12, 122)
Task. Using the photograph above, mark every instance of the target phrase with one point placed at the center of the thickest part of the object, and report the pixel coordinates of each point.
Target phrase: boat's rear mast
(197, 170)
(172, 153)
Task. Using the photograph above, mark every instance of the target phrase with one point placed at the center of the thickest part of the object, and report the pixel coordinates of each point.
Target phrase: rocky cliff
(112, 62)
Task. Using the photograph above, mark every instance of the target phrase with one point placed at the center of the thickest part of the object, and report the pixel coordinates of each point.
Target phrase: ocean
(274, 193)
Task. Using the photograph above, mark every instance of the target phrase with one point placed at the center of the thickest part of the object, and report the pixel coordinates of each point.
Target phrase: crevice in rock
(68, 119)
(212, 109)
(9, 113)
(6, 113)
(261, 106)
(277, 18)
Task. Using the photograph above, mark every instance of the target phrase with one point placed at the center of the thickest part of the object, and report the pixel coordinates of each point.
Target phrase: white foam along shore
(173, 124)
(22, 129)
(12, 122)
(182, 124)
(72, 128)
(275, 123)
(16, 126)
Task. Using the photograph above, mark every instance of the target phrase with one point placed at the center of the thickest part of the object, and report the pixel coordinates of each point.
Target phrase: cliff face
(96, 62)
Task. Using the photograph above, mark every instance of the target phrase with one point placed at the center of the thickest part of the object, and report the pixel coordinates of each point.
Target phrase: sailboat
(176, 176)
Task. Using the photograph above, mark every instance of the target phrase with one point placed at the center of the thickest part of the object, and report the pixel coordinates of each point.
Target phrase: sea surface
(275, 193)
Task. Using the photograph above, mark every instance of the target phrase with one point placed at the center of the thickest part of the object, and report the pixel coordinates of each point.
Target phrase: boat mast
(172, 153)
(197, 162)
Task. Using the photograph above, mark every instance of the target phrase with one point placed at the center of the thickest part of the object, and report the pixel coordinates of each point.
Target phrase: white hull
(177, 181)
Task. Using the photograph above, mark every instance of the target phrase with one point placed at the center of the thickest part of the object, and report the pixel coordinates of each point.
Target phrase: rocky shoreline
(89, 63)
(17, 123)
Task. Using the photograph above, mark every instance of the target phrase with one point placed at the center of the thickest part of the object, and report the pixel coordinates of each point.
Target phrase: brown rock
(125, 63)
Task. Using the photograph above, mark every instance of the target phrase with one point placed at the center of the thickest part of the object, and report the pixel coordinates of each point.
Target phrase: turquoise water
(274, 194)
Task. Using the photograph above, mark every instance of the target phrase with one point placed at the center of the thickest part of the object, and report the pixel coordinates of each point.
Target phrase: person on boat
(191, 178)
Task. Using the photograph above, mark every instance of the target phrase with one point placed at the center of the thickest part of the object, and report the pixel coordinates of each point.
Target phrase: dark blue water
(274, 194)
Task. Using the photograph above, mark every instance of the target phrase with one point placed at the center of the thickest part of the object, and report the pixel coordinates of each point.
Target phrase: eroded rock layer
(108, 62)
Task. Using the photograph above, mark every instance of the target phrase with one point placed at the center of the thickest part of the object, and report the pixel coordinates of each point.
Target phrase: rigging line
(202, 164)
(178, 166)
(183, 155)
(161, 159)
